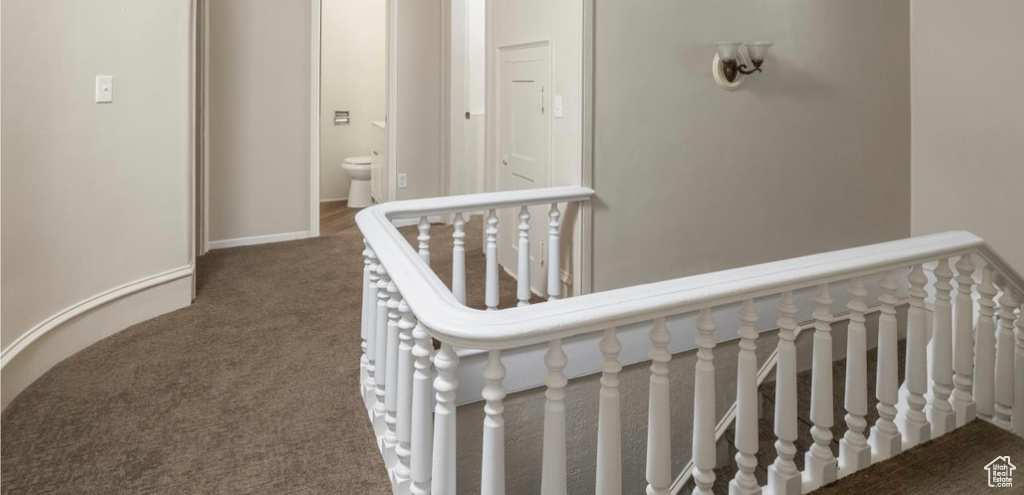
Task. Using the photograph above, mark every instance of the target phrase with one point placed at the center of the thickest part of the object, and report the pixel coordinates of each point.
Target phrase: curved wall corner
(88, 322)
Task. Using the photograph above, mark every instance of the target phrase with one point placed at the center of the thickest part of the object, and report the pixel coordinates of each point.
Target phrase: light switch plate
(558, 106)
(104, 89)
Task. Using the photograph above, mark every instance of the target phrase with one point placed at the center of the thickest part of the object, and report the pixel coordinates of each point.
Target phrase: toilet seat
(358, 160)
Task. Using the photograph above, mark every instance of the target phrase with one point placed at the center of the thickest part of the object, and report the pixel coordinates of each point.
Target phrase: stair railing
(409, 388)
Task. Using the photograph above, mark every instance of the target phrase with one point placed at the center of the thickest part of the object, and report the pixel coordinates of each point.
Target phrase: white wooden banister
(1004, 362)
(783, 476)
(885, 436)
(821, 467)
(940, 412)
(492, 476)
(410, 389)
(444, 454)
(1018, 369)
(704, 406)
(609, 435)
(985, 346)
(391, 383)
(403, 430)
(424, 240)
(915, 426)
(553, 481)
(422, 435)
(746, 404)
(523, 265)
(491, 296)
(381, 353)
(369, 327)
(854, 451)
(554, 254)
(963, 343)
(459, 258)
(659, 460)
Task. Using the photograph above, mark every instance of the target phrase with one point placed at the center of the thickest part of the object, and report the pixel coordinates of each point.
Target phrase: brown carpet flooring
(251, 389)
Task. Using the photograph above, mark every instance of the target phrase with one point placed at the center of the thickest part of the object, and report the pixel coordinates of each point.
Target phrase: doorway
(353, 103)
(523, 117)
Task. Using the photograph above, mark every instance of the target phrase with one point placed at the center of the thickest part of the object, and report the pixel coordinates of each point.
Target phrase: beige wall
(259, 117)
(812, 155)
(968, 121)
(95, 196)
(420, 112)
(353, 58)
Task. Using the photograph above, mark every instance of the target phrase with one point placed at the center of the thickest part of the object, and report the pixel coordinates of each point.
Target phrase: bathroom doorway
(353, 106)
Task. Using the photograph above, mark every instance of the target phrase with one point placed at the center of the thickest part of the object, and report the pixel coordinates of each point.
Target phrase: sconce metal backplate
(716, 69)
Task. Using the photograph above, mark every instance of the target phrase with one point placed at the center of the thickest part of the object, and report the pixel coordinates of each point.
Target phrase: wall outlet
(403, 180)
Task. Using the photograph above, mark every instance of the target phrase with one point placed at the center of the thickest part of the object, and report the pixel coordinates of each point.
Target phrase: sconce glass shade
(758, 51)
(728, 51)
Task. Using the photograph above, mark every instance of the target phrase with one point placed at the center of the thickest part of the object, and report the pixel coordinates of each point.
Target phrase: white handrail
(454, 323)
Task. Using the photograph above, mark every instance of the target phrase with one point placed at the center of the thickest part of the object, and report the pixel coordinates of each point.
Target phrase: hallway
(252, 389)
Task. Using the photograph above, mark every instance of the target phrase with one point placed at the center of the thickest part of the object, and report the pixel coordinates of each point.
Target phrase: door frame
(199, 117)
(582, 252)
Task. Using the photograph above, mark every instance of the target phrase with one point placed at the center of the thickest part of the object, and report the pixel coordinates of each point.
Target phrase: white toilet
(358, 169)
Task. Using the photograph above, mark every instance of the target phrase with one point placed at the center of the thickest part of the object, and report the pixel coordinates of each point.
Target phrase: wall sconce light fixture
(731, 66)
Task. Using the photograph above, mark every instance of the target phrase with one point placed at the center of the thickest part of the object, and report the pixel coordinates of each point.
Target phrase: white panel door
(524, 144)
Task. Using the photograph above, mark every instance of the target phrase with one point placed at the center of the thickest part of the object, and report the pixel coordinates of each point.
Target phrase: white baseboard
(331, 200)
(87, 322)
(259, 239)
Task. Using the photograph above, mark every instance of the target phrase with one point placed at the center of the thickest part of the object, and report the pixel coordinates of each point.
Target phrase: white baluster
(885, 435)
(523, 268)
(963, 344)
(370, 329)
(364, 321)
(443, 475)
(940, 411)
(459, 258)
(783, 477)
(609, 434)
(854, 451)
(421, 443)
(746, 404)
(822, 467)
(553, 476)
(985, 347)
(391, 388)
(704, 406)
(1004, 358)
(424, 238)
(491, 295)
(1018, 372)
(492, 475)
(554, 263)
(381, 353)
(659, 467)
(404, 414)
(916, 428)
